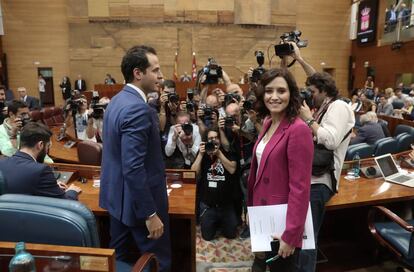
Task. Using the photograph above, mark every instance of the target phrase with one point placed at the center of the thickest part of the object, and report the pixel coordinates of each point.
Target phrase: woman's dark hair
(205, 135)
(135, 57)
(292, 110)
(324, 83)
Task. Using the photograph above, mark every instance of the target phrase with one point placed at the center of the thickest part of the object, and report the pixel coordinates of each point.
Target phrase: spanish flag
(194, 68)
(175, 73)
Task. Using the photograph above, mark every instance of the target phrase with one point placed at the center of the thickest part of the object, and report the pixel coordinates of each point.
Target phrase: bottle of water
(356, 165)
(22, 261)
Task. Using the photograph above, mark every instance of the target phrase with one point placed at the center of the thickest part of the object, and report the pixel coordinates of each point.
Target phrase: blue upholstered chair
(396, 235)
(364, 150)
(404, 128)
(45, 220)
(385, 146)
(404, 141)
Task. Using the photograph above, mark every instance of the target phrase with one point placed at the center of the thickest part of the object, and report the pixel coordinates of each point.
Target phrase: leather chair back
(404, 141)
(36, 115)
(58, 115)
(89, 153)
(44, 220)
(404, 128)
(48, 116)
(385, 146)
(364, 150)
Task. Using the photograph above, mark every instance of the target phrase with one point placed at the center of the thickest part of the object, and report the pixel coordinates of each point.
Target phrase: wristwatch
(310, 122)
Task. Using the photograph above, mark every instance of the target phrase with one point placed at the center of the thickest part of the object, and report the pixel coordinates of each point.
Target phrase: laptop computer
(390, 172)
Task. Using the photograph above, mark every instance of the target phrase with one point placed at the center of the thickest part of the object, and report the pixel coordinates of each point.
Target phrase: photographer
(183, 143)
(331, 123)
(84, 122)
(18, 113)
(207, 116)
(216, 169)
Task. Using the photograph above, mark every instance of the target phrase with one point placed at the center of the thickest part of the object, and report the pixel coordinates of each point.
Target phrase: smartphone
(275, 244)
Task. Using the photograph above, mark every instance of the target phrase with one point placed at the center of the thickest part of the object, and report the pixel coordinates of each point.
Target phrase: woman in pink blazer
(282, 163)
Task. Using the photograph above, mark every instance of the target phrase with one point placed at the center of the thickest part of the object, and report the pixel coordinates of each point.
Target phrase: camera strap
(290, 64)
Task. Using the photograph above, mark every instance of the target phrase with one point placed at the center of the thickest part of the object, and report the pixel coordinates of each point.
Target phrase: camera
(190, 106)
(173, 98)
(229, 98)
(25, 119)
(190, 94)
(306, 95)
(207, 112)
(229, 121)
(259, 71)
(212, 71)
(187, 128)
(286, 49)
(247, 105)
(210, 146)
(98, 111)
(74, 104)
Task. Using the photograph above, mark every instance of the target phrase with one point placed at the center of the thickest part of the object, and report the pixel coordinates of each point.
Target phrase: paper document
(265, 221)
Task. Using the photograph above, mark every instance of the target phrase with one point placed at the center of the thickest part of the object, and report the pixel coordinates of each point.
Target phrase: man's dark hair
(2, 87)
(169, 83)
(15, 106)
(381, 95)
(135, 57)
(324, 83)
(293, 107)
(34, 132)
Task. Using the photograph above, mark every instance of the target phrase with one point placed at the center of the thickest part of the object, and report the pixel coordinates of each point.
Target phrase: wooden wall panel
(386, 62)
(256, 12)
(98, 8)
(36, 31)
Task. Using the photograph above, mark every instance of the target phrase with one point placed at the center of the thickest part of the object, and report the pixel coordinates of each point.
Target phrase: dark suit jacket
(32, 103)
(284, 174)
(83, 86)
(369, 133)
(133, 176)
(23, 175)
(66, 89)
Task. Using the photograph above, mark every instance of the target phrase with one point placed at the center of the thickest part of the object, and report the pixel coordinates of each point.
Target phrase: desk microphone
(371, 171)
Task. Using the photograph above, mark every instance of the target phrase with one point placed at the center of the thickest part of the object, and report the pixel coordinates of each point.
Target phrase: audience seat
(48, 116)
(45, 220)
(404, 128)
(89, 153)
(364, 150)
(404, 141)
(397, 105)
(36, 115)
(385, 146)
(396, 235)
(58, 115)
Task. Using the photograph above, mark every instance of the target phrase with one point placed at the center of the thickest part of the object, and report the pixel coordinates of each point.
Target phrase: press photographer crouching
(216, 169)
(183, 143)
(79, 108)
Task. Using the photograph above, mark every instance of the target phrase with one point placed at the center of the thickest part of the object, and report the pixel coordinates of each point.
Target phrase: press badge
(212, 184)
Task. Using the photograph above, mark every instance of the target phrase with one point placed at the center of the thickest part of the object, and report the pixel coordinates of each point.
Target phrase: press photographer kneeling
(217, 180)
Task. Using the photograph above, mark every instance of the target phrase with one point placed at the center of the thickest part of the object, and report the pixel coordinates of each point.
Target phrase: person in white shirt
(42, 90)
(183, 142)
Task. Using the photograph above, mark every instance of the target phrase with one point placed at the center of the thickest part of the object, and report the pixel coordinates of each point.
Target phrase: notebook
(390, 172)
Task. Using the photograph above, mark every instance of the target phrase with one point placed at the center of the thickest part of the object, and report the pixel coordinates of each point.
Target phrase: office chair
(395, 235)
(404, 141)
(58, 115)
(89, 153)
(404, 128)
(385, 146)
(46, 220)
(364, 150)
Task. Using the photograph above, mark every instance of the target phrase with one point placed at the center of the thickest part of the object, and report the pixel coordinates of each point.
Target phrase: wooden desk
(181, 200)
(60, 153)
(82, 258)
(364, 192)
(394, 122)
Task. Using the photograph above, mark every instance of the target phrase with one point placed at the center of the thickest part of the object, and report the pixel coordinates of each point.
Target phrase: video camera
(259, 71)
(306, 95)
(285, 48)
(212, 71)
(98, 109)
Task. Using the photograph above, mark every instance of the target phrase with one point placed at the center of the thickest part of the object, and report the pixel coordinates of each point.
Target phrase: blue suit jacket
(369, 133)
(133, 174)
(25, 176)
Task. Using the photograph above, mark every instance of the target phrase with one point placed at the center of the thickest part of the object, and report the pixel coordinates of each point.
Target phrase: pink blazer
(284, 174)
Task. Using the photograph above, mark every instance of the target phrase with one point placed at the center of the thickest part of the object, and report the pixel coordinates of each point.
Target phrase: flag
(175, 73)
(194, 68)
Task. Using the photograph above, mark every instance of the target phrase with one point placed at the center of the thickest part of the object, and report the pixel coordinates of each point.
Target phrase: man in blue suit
(133, 187)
